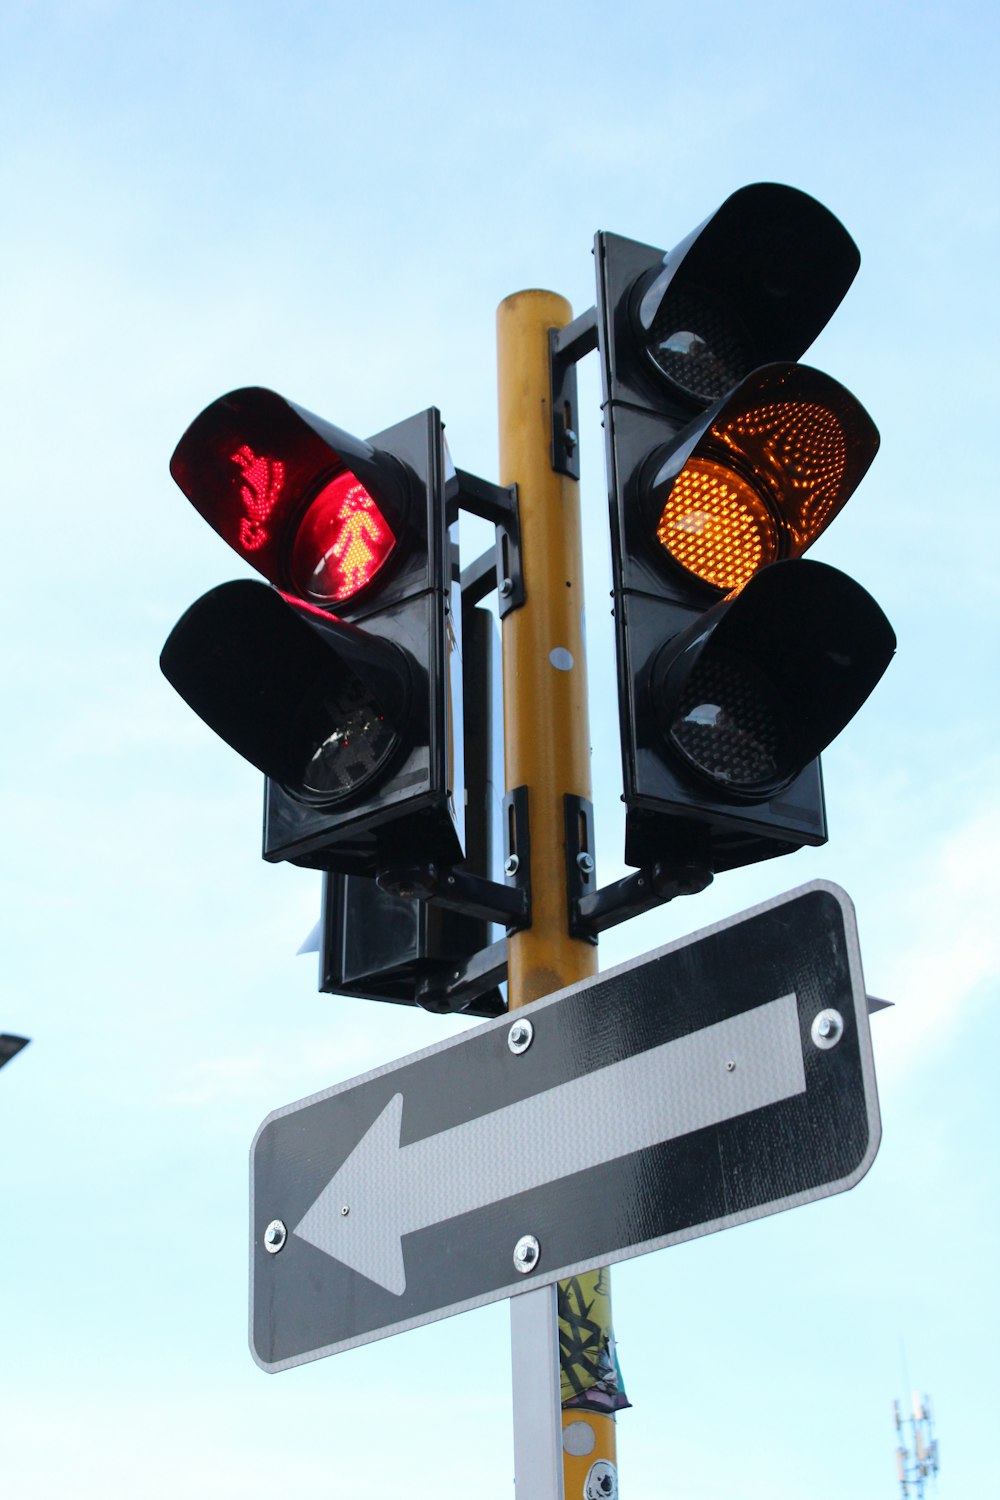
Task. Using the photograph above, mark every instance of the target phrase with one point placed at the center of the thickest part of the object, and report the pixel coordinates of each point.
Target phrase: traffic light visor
(316, 704)
(763, 682)
(760, 477)
(756, 282)
(315, 510)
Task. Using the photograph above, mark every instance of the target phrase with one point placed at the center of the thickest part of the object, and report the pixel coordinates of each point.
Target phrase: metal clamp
(459, 890)
(566, 347)
(496, 503)
(592, 911)
(517, 848)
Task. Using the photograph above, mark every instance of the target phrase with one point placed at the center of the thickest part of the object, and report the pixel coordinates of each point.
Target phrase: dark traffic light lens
(348, 741)
(717, 526)
(695, 342)
(727, 724)
(342, 542)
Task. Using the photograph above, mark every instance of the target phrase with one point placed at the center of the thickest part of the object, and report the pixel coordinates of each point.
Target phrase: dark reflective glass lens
(349, 741)
(697, 344)
(728, 724)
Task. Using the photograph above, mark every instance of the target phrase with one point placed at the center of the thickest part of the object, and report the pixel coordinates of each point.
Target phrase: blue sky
(331, 201)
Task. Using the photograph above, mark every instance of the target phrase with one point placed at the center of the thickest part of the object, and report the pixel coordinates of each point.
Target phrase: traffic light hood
(318, 512)
(761, 683)
(756, 282)
(316, 704)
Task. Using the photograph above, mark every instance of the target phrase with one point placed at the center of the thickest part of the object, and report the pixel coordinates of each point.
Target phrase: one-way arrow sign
(499, 1155)
(720, 1078)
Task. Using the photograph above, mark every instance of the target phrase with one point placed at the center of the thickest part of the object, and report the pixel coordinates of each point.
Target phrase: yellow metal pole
(546, 727)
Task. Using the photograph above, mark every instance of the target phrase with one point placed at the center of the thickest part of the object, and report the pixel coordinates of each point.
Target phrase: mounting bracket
(566, 347)
(502, 568)
(592, 911)
(459, 890)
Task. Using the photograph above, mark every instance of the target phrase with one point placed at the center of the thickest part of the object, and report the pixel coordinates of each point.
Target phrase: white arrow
(384, 1191)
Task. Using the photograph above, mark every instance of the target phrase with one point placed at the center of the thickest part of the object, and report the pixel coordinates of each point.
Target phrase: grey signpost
(722, 1077)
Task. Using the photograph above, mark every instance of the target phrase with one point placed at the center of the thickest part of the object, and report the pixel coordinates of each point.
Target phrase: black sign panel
(725, 1076)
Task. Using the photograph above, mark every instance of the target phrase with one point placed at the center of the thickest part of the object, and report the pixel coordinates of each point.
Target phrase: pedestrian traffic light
(738, 661)
(339, 678)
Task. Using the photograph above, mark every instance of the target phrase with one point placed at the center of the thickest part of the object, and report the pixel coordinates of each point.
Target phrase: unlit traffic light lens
(348, 741)
(696, 343)
(341, 543)
(727, 724)
(758, 685)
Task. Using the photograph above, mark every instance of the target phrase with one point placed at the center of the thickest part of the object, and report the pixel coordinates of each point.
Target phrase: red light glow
(263, 479)
(342, 542)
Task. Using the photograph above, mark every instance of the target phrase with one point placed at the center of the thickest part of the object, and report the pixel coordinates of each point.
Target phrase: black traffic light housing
(341, 682)
(737, 661)
(377, 942)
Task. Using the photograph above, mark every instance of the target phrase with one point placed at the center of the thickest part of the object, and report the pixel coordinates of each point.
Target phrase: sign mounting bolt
(519, 1037)
(827, 1029)
(275, 1236)
(526, 1253)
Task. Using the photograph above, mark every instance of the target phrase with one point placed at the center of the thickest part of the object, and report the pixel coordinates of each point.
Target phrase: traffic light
(338, 678)
(738, 661)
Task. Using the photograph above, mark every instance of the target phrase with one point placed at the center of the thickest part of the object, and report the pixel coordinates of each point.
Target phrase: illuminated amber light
(342, 542)
(722, 528)
(800, 449)
(717, 526)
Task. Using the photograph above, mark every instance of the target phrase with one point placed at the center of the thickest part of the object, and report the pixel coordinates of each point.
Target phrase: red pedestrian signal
(336, 681)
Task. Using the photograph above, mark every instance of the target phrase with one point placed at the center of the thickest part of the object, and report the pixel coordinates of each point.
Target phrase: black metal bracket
(467, 983)
(592, 911)
(581, 868)
(459, 890)
(498, 504)
(517, 849)
(566, 347)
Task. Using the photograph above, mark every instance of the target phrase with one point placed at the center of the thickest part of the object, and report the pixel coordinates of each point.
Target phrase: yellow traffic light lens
(716, 525)
(800, 450)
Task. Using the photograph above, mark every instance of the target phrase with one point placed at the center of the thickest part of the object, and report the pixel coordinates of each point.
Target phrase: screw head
(510, 864)
(506, 587)
(585, 862)
(526, 1253)
(520, 1036)
(827, 1029)
(275, 1236)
